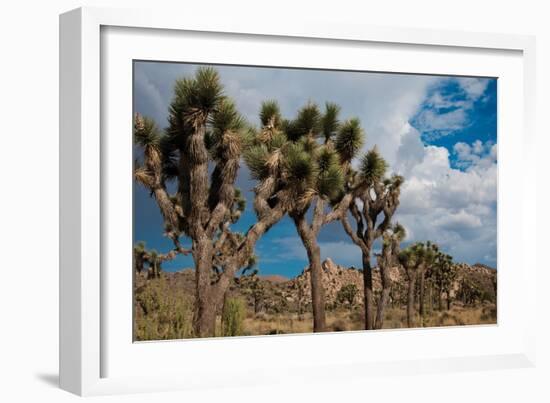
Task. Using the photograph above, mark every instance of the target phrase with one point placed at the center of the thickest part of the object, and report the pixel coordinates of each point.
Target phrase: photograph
(279, 200)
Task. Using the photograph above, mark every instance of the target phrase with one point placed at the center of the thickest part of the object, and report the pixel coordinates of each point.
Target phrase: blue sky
(438, 132)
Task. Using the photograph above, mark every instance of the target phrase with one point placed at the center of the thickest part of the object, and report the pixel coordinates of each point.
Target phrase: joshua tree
(139, 257)
(469, 292)
(152, 258)
(204, 128)
(154, 265)
(254, 288)
(386, 260)
(414, 259)
(375, 199)
(443, 274)
(313, 154)
(430, 258)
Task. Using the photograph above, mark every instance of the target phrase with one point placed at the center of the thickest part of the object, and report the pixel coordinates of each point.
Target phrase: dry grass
(344, 320)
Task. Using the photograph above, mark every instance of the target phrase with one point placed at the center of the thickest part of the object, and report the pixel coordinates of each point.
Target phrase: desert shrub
(280, 305)
(233, 315)
(160, 313)
(347, 294)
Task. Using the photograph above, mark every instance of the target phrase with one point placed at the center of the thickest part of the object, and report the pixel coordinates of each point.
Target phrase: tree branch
(340, 209)
(353, 235)
(216, 217)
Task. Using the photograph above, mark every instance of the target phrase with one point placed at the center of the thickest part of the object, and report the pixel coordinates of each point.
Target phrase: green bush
(347, 294)
(233, 316)
(161, 313)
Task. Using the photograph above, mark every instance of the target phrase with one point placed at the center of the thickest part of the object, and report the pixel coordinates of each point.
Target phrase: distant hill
(274, 278)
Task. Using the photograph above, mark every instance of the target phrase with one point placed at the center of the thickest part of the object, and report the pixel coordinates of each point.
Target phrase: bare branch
(216, 218)
(179, 248)
(339, 210)
(353, 235)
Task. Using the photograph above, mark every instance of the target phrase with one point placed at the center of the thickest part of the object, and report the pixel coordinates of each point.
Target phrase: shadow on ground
(49, 379)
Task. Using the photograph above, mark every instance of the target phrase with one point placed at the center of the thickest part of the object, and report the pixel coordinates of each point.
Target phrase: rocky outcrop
(334, 278)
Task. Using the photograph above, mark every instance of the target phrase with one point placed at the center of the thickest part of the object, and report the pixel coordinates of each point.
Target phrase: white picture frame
(89, 353)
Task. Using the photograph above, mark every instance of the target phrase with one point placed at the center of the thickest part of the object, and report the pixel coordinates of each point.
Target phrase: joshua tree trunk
(421, 295)
(204, 318)
(368, 292)
(384, 299)
(317, 290)
(440, 299)
(309, 239)
(410, 298)
(138, 262)
(430, 298)
(386, 260)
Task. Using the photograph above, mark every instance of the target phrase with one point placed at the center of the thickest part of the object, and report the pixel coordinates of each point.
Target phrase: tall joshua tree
(375, 199)
(389, 257)
(430, 259)
(204, 128)
(139, 258)
(443, 274)
(313, 153)
(415, 259)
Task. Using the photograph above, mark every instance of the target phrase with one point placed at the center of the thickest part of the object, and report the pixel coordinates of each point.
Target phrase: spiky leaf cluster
(202, 92)
(331, 178)
(306, 123)
(226, 118)
(349, 140)
(399, 231)
(265, 147)
(256, 158)
(146, 132)
(227, 136)
(270, 114)
(329, 122)
(299, 164)
(373, 167)
(140, 247)
(194, 99)
(394, 235)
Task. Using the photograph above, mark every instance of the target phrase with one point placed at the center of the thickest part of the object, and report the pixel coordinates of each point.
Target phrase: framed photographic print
(237, 198)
